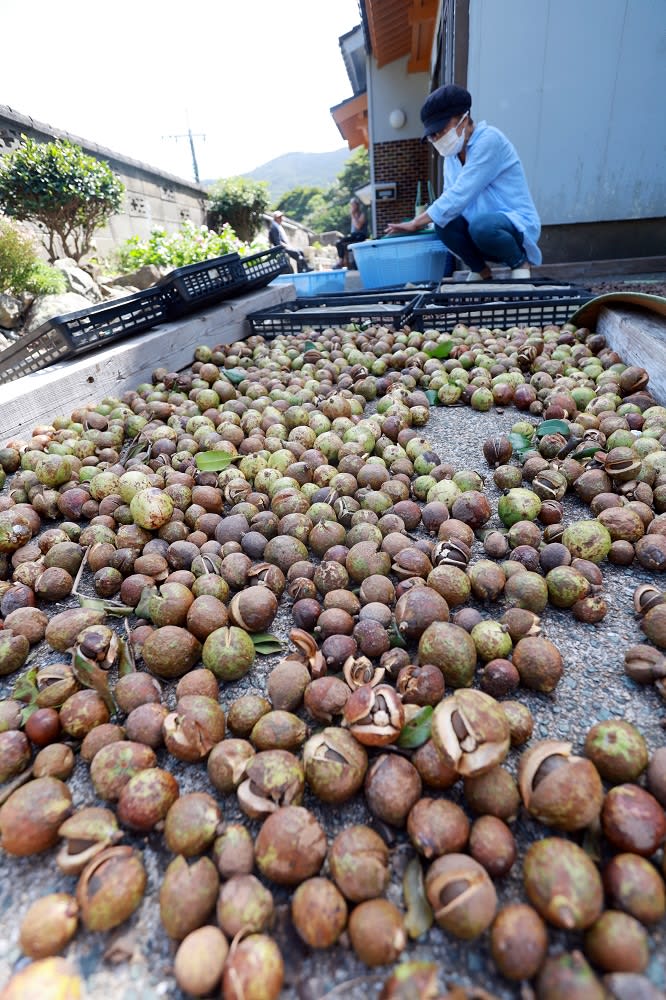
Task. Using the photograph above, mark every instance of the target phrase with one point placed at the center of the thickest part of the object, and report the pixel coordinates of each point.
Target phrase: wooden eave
(351, 117)
(402, 27)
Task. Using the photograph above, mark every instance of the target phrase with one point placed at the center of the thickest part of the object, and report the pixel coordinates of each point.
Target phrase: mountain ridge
(298, 169)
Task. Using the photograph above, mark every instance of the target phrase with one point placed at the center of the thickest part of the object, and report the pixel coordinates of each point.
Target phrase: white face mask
(451, 143)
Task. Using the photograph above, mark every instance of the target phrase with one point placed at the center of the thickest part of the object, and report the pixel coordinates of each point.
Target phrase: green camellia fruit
(228, 652)
(518, 504)
(151, 508)
(587, 540)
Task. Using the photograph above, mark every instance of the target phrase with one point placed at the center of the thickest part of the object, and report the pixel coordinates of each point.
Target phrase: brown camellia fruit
(170, 651)
(562, 883)
(633, 820)
(617, 942)
(436, 827)
(30, 817)
(359, 863)
(254, 970)
(559, 789)
(291, 846)
(111, 888)
(49, 925)
(319, 912)
(461, 894)
(518, 941)
(45, 979)
(539, 663)
(200, 960)
(377, 932)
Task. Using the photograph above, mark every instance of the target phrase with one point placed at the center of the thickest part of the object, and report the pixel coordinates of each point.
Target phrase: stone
(116, 291)
(145, 277)
(46, 306)
(11, 310)
(77, 279)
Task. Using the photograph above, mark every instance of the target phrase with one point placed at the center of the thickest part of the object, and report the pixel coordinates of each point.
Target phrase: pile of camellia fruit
(261, 568)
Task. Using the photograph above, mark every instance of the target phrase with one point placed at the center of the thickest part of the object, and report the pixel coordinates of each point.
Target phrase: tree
(61, 189)
(334, 212)
(356, 172)
(297, 203)
(239, 201)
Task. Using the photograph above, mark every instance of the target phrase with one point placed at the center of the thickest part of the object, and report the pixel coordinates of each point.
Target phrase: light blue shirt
(492, 179)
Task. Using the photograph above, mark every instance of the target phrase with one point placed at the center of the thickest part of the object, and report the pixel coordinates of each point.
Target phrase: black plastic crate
(499, 309)
(75, 333)
(261, 268)
(195, 285)
(317, 312)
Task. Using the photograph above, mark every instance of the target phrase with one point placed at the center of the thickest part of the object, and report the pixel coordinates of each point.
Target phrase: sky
(256, 77)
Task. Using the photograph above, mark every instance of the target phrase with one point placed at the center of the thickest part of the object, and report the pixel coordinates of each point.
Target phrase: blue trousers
(488, 237)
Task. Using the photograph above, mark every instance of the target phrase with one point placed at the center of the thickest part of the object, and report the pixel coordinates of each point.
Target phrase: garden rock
(77, 279)
(117, 291)
(11, 310)
(46, 306)
(144, 278)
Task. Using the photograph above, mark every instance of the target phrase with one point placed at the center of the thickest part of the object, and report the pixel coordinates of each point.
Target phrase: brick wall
(406, 162)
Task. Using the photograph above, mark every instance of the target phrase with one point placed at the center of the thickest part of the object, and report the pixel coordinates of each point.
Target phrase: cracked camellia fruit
(559, 789)
(375, 715)
(471, 730)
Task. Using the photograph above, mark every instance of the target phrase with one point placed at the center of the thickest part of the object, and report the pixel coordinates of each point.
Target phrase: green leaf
(419, 917)
(441, 351)
(265, 644)
(553, 427)
(108, 607)
(395, 638)
(431, 395)
(91, 676)
(25, 687)
(214, 461)
(142, 610)
(587, 452)
(520, 443)
(234, 375)
(417, 730)
(126, 661)
(28, 711)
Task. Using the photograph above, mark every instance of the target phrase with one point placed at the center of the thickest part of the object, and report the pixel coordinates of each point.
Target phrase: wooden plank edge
(38, 398)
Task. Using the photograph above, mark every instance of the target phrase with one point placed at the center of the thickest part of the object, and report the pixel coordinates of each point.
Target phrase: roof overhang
(400, 28)
(351, 117)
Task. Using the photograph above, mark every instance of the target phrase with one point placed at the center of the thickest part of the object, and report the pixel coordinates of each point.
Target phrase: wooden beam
(38, 398)
(639, 337)
(422, 10)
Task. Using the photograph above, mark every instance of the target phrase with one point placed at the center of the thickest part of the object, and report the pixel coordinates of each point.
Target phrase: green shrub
(21, 270)
(45, 280)
(189, 245)
(58, 185)
(240, 203)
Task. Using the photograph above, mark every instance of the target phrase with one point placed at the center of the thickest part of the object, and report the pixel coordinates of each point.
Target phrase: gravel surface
(594, 687)
(653, 286)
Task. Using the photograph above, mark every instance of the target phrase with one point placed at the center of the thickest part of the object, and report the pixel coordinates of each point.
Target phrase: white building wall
(579, 88)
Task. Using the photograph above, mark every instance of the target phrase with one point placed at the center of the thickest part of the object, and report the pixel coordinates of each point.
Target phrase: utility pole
(191, 137)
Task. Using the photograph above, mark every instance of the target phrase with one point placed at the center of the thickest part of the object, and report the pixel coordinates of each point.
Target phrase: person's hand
(400, 227)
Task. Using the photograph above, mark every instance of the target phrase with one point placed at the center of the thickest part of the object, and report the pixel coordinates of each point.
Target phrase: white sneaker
(474, 276)
(521, 272)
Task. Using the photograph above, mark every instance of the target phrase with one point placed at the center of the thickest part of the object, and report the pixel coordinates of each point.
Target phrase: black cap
(442, 105)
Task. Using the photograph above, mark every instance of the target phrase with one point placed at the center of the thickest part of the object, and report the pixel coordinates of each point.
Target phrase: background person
(359, 230)
(485, 212)
(278, 238)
